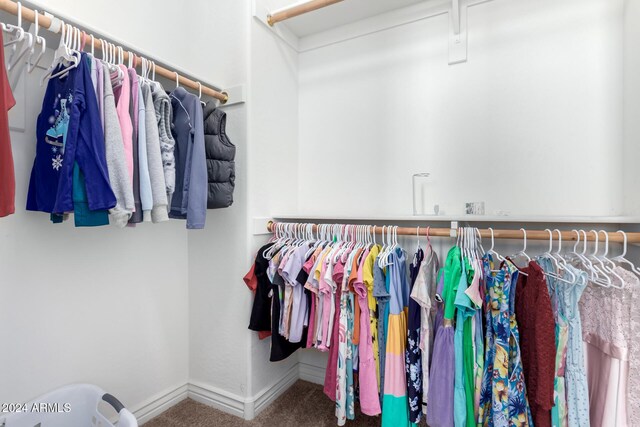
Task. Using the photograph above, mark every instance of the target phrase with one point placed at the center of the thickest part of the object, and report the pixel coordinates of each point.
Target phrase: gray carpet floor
(304, 404)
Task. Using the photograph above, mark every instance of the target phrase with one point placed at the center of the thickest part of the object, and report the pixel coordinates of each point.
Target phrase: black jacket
(220, 154)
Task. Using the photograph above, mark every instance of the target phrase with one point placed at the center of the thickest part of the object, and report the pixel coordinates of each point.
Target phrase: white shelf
(464, 218)
(340, 14)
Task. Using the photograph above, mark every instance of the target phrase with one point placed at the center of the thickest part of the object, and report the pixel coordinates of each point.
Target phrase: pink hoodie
(122, 94)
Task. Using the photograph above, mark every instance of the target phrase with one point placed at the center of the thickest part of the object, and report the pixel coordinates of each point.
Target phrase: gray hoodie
(159, 212)
(164, 115)
(189, 200)
(116, 163)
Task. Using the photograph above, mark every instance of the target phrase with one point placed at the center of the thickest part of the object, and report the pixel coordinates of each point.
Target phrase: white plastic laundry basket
(71, 406)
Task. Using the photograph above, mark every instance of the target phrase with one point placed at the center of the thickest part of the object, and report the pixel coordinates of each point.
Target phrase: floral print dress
(503, 400)
(413, 356)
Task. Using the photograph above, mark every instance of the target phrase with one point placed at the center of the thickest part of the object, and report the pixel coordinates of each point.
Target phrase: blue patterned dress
(503, 400)
(413, 356)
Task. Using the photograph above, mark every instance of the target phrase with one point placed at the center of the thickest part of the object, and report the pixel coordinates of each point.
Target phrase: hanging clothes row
(113, 147)
(480, 339)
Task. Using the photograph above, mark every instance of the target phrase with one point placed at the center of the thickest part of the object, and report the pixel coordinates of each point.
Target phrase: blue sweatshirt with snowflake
(69, 130)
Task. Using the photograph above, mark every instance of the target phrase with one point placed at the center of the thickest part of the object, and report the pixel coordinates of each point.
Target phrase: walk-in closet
(320, 212)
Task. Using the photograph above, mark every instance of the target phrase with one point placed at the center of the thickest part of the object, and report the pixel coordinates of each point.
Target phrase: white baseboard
(229, 402)
(217, 398)
(270, 393)
(312, 373)
(159, 404)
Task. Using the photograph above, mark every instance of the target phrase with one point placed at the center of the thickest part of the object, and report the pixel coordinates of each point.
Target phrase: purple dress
(440, 402)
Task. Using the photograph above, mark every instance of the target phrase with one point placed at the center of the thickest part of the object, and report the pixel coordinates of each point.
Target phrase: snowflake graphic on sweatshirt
(56, 162)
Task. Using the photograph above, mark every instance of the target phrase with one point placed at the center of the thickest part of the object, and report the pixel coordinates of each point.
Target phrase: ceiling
(342, 13)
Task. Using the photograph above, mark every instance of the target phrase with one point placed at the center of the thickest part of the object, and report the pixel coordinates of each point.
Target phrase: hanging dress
(606, 331)
(369, 399)
(308, 268)
(536, 324)
(503, 400)
(423, 293)
(559, 415)
(381, 293)
(575, 373)
(464, 381)
(345, 327)
(395, 401)
(634, 351)
(368, 278)
(519, 409)
(441, 372)
(413, 356)
(331, 373)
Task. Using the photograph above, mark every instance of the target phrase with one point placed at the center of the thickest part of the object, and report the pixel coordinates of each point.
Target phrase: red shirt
(536, 324)
(251, 281)
(7, 177)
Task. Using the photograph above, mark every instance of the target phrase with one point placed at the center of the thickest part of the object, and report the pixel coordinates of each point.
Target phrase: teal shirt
(82, 215)
(464, 379)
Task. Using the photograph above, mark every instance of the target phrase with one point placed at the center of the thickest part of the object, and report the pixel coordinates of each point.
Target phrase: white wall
(110, 306)
(536, 108)
(531, 123)
(631, 106)
(338, 130)
(105, 306)
(272, 163)
(219, 302)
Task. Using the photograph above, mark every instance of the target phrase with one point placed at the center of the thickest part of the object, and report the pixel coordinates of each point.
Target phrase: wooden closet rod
(299, 9)
(45, 22)
(501, 234)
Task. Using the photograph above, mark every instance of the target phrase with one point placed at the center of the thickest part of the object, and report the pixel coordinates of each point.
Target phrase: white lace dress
(610, 328)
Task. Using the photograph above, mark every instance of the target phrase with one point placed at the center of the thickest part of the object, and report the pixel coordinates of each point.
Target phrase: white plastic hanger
(473, 240)
(475, 249)
(144, 64)
(491, 250)
(105, 49)
(177, 79)
(549, 252)
(562, 262)
(550, 255)
(63, 55)
(27, 41)
(385, 246)
(621, 258)
(153, 75)
(523, 252)
(468, 244)
(200, 94)
(597, 276)
(117, 81)
(311, 239)
(609, 265)
(481, 247)
(15, 30)
(39, 41)
(597, 262)
(391, 245)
